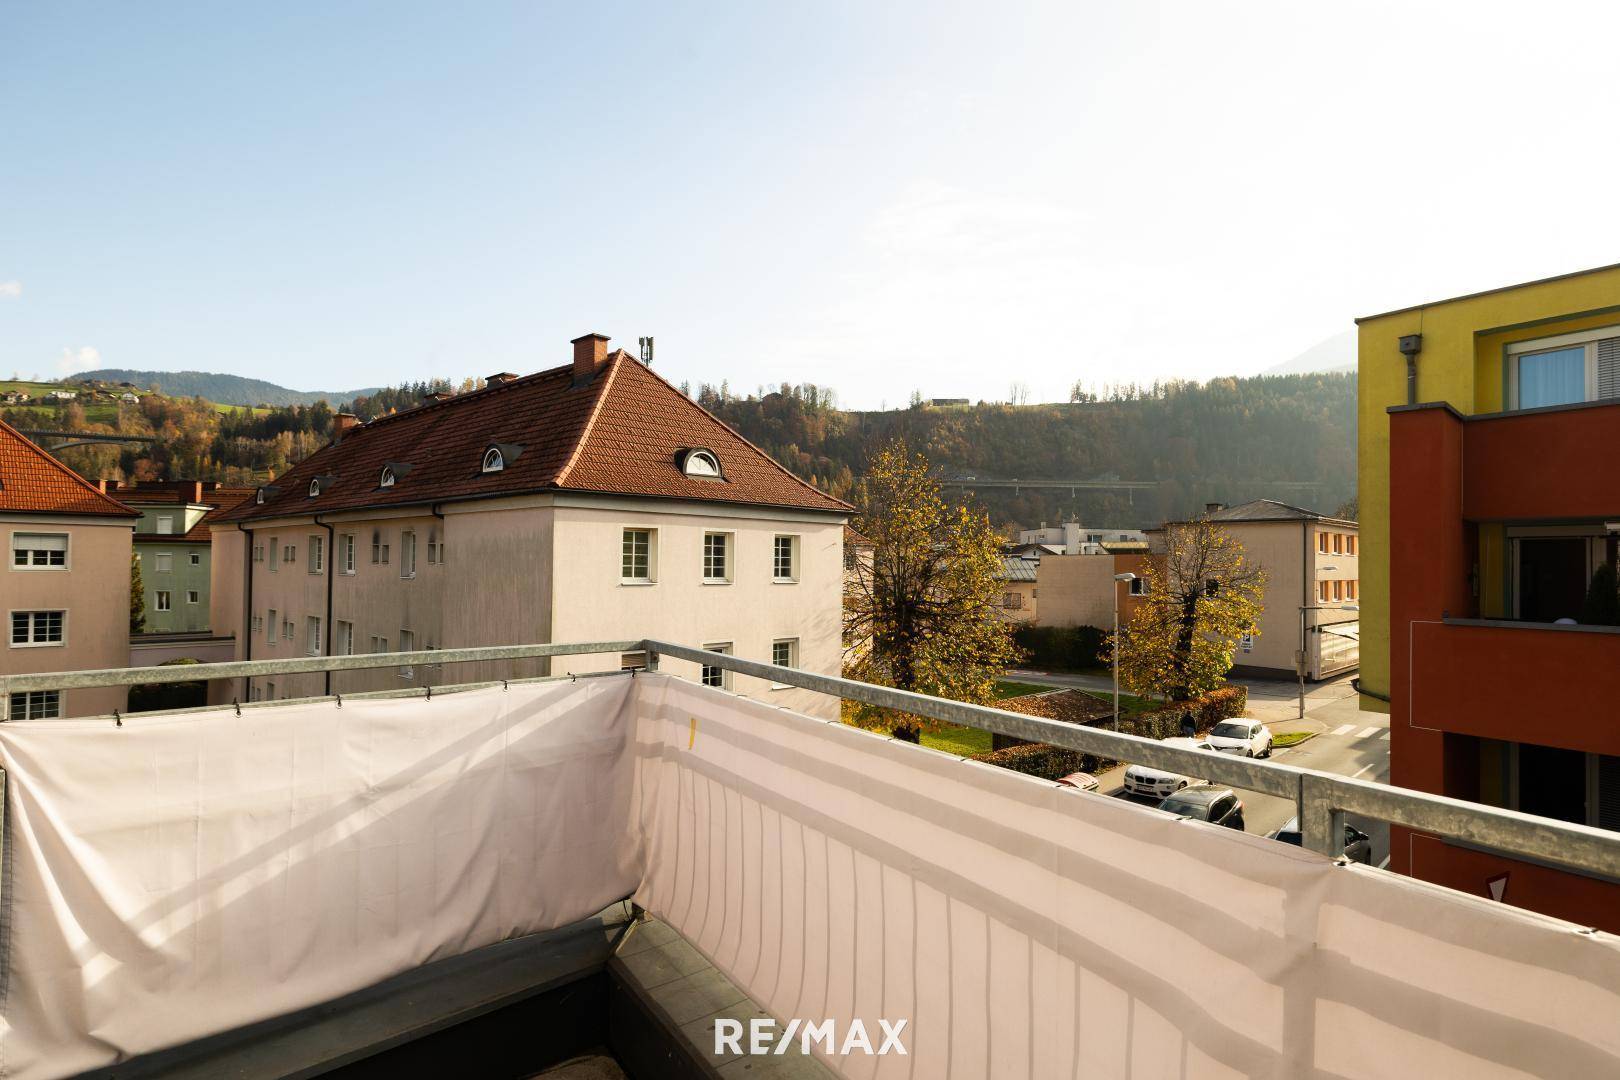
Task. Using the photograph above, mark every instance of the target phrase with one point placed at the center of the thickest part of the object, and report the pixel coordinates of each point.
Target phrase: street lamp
(1303, 608)
(1121, 578)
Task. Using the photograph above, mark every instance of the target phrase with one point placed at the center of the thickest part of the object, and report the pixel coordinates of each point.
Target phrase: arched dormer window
(259, 498)
(387, 478)
(494, 460)
(314, 487)
(701, 463)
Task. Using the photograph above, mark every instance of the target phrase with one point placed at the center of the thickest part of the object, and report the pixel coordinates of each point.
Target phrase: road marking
(1372, 729)
(1344, 729)
(1385, 864)
(1359, 771)
(1383, 733)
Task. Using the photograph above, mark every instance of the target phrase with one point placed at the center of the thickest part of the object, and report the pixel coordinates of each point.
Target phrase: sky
(880, 198)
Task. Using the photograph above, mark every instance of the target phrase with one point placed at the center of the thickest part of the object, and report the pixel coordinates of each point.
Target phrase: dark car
(1205, 802)
(1357, 845)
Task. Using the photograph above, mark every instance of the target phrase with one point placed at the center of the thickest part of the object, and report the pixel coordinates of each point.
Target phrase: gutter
(331, 577)
(247, 608)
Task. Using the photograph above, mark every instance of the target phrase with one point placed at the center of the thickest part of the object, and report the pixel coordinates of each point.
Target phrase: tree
(1208, 595)
(923, 615)
(1350, 509)
(1602, 606)
(137, 596)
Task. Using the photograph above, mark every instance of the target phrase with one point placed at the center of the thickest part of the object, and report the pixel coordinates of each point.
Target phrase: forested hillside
(1226, 440)
(218, 387)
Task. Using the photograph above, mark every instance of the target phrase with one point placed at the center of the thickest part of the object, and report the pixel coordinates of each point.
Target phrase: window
(258, 623)
(1139, 587)
(1322, 542)
(163, 562)
(346, 546)
(1322, 591)
(275, 626)
(36, 705)
(387, 478)
(1012, 601)
(1338, 590)
(407, 555)
(31, 628)
(716, 557)
(493, 460)
(1350, 543)
(193, 597)
(713, 675)
(407, 643)
(785, 558)
(376, 546)
(379, 644)
(317, 554)
(196, 558)
(287, 629)
(312, 635)
(269, 691)
(165, 524)
(701, 463)
(39, 550)
(1338, 543)
(314, 487)
(163, 602)
(785, 653)
(1350, 590)
(344, 645)
(433, 546)
(637, 562)
(275, 555)
(1564, 370)
(289, 554)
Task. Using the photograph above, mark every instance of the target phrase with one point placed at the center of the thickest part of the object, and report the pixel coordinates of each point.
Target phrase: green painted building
(174, 544)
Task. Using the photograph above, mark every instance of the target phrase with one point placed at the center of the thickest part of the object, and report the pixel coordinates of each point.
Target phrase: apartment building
(589, 502)
(1019, 592)
(1486, 426)
(66, 583)
(1073, 538)
(1081, 590)
(174, 542)
(1313, 587)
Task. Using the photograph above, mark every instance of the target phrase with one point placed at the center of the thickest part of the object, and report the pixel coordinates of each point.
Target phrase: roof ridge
(618, 357)
(52, 461)
(783, 469)
(457, 399)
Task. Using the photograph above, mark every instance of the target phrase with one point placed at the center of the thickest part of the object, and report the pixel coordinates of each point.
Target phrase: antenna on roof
(646, 350)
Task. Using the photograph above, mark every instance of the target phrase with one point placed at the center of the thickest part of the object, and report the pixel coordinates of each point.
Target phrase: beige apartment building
(1312, 563)
(588, 502)
(65, 588)
(1080, 590)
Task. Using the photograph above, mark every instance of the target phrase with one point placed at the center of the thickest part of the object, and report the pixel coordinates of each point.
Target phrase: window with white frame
(312, 635)
(785, 652)
(494, 460)
(713, 674)
(716, 557)
(1139, 587)
(407, 643)
(317, 554)
(407, 554)
(343, 645)
(376, 546)
(34, 628)
(1012, 601)
(36, 705)
(39, 551)
(1564, 370)
(196, 558)
(163, 562)
(290, 554)
(346, 546)
(274, 622)
(433, 546)
(165, 525)
(379, 644)
(287, 628)
(275, 555)
(638, 563)
(258, 623)
(785, 558)
(193, 597)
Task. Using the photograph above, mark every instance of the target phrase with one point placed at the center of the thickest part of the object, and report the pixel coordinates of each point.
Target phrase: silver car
(1156, 783)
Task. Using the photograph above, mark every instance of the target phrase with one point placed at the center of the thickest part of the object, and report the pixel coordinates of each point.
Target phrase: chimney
(342, 424)
(1210, 508)
(438, 395)
(195, 494)
(498, 378)
(590, 357)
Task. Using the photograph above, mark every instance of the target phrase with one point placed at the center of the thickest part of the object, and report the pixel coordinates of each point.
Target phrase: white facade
(1077, 539)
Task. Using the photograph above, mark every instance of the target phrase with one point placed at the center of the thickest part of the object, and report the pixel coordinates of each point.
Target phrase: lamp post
(1303, 608)
(1118, 578)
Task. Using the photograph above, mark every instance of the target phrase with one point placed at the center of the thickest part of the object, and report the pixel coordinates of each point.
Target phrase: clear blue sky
(876, 197)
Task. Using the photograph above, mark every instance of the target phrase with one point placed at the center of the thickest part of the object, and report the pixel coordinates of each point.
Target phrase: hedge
(1042, 760)
(1055, 648)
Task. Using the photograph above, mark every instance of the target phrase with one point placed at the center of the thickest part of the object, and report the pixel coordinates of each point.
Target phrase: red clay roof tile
(32, 481)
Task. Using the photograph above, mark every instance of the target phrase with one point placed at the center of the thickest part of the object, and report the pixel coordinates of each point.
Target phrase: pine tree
(137, 596)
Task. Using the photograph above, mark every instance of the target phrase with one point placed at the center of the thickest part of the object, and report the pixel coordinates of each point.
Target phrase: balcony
(226, 881)
(1542, 464)
(1522, 682)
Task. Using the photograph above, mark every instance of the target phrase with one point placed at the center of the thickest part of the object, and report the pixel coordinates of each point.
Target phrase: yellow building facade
(1465, 359)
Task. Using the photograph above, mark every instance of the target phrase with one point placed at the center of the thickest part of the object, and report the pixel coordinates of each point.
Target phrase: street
(1345, 740)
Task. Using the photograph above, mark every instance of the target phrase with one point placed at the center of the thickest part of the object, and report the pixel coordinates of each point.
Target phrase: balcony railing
(1322, 799)
(1541, 464)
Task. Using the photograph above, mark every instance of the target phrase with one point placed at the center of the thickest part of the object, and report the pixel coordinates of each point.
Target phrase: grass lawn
(1129, 704)
(1006, 688)
(1291, 738)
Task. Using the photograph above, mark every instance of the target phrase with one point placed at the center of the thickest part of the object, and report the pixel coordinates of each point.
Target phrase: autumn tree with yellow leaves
(1206, 596)
(923, 613)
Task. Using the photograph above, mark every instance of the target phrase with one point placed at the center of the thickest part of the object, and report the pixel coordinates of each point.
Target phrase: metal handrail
(1322, 798)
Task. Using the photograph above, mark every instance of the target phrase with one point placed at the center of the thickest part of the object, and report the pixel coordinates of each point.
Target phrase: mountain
(225, 389)
(1337, 353)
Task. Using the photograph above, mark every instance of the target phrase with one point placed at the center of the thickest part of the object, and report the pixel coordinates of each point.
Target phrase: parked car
(1082, 780)
(1357, 845)
(1142, 780)
(1248, 738)
(1206, 802)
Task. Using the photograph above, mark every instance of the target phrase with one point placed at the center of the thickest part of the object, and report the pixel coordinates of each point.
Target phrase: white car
(1155, 783)
(1246, 738)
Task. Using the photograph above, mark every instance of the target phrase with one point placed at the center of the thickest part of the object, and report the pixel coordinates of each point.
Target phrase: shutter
(1608, 368)
(1608, 792)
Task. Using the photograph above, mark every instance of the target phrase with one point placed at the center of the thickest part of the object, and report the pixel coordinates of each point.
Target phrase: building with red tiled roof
(174, 542)
(592, 501)
(66, 579)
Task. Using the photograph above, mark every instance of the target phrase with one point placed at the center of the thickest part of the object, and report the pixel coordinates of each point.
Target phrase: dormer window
(259, 498)
(387, 479)
(314, 488)
(701, 463)
(494, 460)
